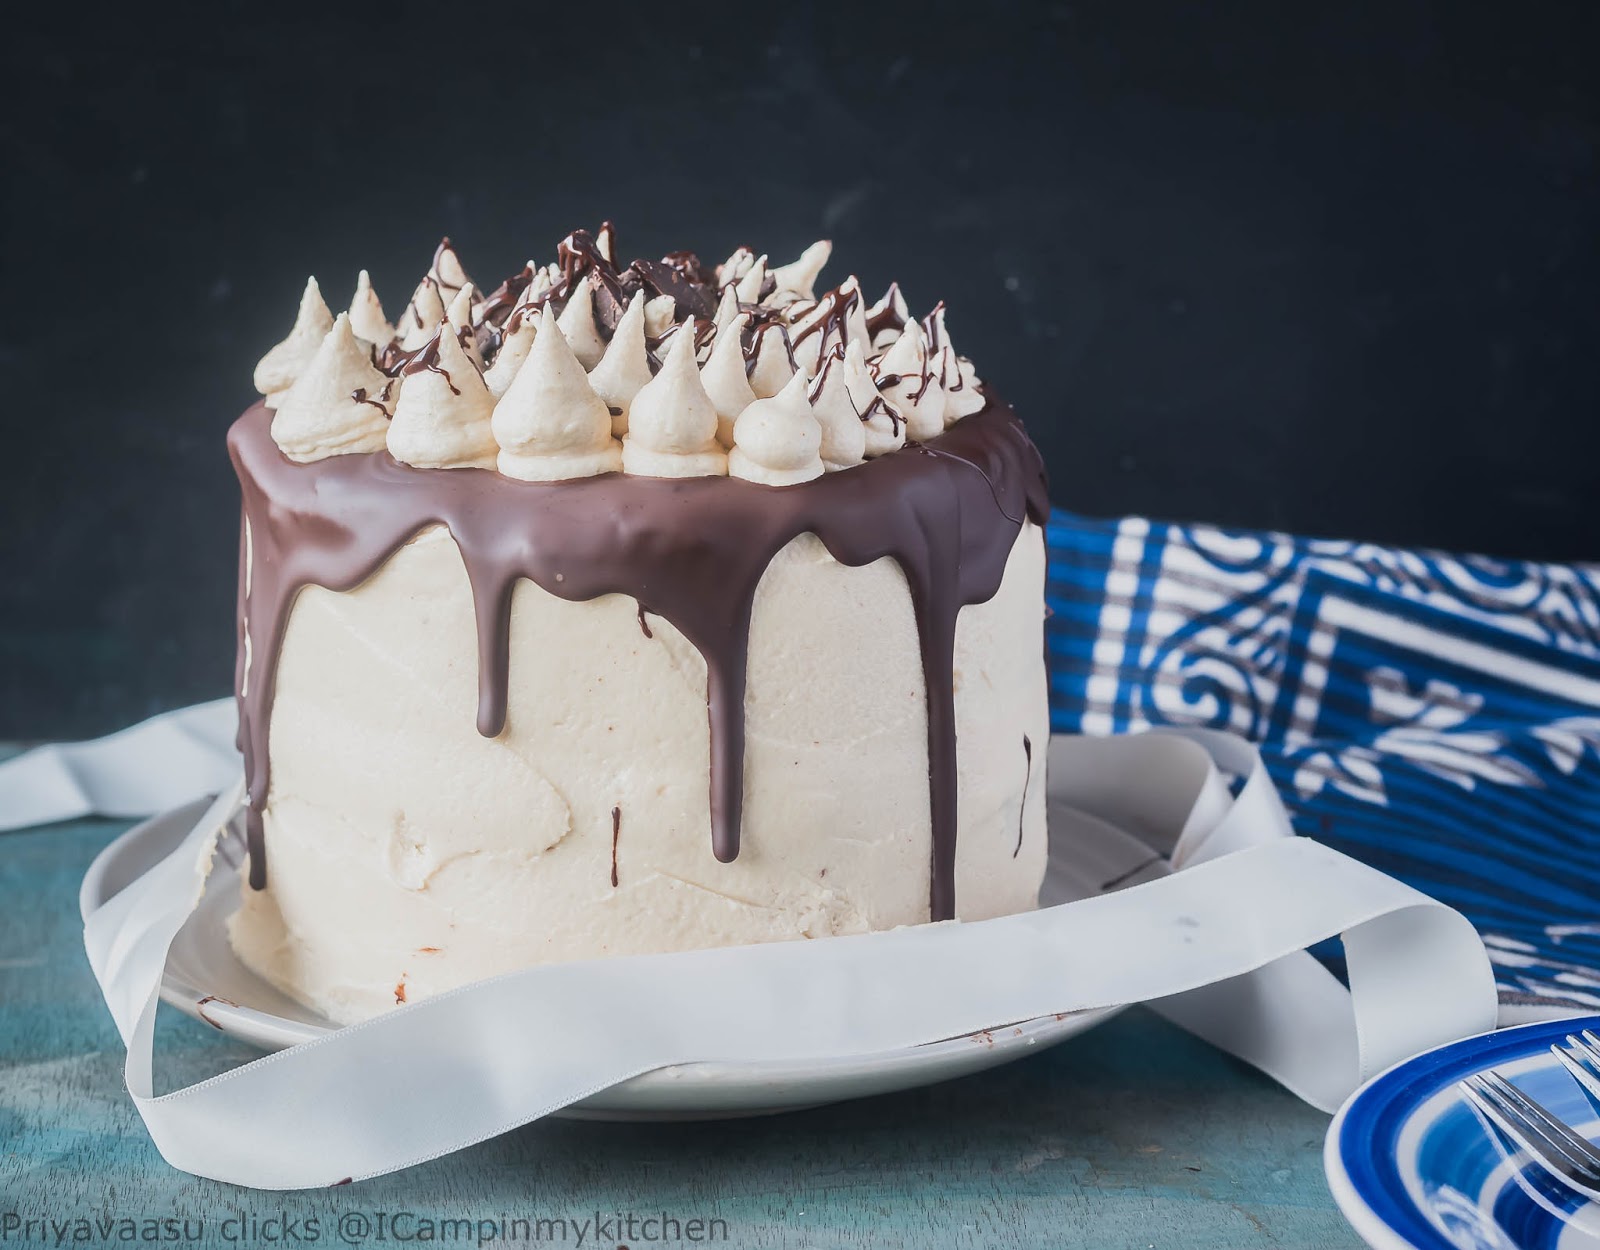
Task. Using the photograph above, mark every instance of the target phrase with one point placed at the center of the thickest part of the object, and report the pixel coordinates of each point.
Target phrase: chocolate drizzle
(499, 303)
(828, 316)
(1027, 780)
(427, 358)
(583, 257)
(616, 834)
(753, 341)
(947, 511)
(887, 315)
(381, 403)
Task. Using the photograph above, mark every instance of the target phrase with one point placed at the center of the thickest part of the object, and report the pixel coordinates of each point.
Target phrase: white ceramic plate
(205, 980)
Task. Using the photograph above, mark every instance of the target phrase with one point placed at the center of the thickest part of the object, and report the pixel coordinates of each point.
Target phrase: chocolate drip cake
(626, 609)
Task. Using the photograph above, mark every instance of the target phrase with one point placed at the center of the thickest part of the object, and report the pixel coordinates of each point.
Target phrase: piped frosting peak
(447, 271)
(624, 369)
(797, 280)
(842, 392)
(578, 324)
(366, 314)
(778, 441)
(336, 406)
(749, 287)
(725, 379)
(279, 369)
(672, 425)
(771, 359)
(906, 380)
(459, 317)
(515, 344)
(749, 326)
(887, 318)
(550, 425)
(425, 311)
(442, 418)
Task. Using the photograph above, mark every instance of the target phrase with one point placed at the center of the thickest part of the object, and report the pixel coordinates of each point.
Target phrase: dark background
(1325, 268)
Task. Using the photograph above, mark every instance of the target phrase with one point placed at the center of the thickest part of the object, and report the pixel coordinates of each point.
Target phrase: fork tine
(1581, 1074)
(1554, 1132)
(1584, 1065)
(1587, 1046)
(1558, 1134)
(1526, 1136)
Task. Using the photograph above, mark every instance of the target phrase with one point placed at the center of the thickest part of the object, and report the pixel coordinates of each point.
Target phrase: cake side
(410, 854)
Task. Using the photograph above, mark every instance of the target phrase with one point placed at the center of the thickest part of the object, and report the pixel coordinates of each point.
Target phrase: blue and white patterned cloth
(1436, 716)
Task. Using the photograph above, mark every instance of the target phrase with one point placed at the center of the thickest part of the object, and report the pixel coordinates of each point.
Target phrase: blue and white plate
(1413, 1165)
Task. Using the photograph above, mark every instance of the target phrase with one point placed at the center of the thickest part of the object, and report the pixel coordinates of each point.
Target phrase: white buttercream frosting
(278, 370)
(735, 267)
(366, 314)
(624, 370)
(815, 331)
(773, 365)
(515, 344)
(844, 437)
(578, 324)
(956, 377)
(672, 424)
(539, 282)
(971, 398)
(422, 314)
(798, 278)
(885, 427)
(442, 418)
(905, 380)
(855, 317)
(724, 377)
(727, 307)
(778, 440)
(447, 272)
(459, 315)
(466, 857)
(658, 316)
(335, 407)
(749, 287)
(840, 314)
(797, 314)
(892, 305)
(816, 347)
(750, 349)
(550, 424)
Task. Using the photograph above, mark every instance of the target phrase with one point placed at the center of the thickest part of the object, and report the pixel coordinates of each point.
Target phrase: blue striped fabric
(1437, 716)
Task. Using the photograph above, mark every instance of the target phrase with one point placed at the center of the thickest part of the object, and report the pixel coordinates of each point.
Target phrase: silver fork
(1565, 1155)
(1581, 1057)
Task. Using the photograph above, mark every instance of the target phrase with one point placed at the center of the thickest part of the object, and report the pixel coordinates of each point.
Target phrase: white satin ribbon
(147, 768)
(1216, 941)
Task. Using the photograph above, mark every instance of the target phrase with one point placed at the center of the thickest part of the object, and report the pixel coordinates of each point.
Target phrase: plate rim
(1358, 1185)
(1004, 1042)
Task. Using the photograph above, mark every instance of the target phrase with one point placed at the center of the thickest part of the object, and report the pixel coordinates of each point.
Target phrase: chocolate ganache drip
(690, 550)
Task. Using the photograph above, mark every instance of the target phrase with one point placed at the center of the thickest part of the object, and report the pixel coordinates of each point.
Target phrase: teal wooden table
(1133, 1135)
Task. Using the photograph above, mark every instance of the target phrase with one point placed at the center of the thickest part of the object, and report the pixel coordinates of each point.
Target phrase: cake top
(583, 366)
